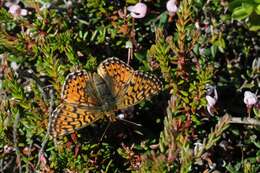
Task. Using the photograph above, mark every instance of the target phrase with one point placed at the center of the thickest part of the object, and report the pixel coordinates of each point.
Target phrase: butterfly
(87, 97)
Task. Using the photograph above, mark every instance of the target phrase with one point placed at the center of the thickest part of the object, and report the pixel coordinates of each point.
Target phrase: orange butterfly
(88, 97)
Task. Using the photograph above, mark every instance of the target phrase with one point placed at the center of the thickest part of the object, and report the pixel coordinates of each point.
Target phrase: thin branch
(1, 165)
(45, 99)
(17, 151)
(246, 120)
(29, 155)
(48, 129)
(7, 164)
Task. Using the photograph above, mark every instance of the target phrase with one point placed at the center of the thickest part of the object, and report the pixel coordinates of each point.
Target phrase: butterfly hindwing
(141, 86)
(67, 118)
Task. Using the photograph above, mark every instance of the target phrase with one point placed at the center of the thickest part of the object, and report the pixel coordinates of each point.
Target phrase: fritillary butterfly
(88, 97)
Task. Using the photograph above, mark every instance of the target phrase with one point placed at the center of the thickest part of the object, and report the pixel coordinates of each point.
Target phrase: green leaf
(233, 169)
(220, 43)
(234, 4)
(196, 49)
(243, 11)
(131, 1)
(254, 22)
(186, 100)
(257, 10)
(184, 93)
(254, 28)
(163, 19)
(213, 50)
(257, 144)
(195, 120)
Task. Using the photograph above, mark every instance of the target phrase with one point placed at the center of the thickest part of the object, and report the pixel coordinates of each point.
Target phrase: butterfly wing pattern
(69, 116)
(116, 74)
(141, 86)
(73, 90)
(130, 87)
(88, 97)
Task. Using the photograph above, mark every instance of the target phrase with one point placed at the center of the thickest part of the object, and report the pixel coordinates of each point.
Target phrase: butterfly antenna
(107, 127)
(129, 122)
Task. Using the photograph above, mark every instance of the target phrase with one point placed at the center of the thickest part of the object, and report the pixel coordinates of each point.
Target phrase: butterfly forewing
(75, 89)
(116, 73)
(129, 86)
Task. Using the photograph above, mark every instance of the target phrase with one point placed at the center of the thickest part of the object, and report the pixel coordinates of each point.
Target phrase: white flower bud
(250, 98)
(16, 10)
(171, 6)
(138, 10)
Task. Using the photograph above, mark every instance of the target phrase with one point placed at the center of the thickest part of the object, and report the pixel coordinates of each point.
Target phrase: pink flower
(138, 10)
(250, 99)
(202, 50)
(11, 2)
(43, 159)
(211, 103)
(8, 149)
(16, 10)
(171, 6)
(212, 98)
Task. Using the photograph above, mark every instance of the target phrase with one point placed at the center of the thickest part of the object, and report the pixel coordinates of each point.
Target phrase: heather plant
(206, 53)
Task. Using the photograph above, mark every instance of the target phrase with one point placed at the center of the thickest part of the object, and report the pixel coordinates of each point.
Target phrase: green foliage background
(207, 43)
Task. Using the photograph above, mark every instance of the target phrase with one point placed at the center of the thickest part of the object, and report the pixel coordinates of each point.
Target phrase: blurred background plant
(248, 11)
(205, 52)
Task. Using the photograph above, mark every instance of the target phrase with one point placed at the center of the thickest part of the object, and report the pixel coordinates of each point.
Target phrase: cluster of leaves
(201, 45)
(249, 9)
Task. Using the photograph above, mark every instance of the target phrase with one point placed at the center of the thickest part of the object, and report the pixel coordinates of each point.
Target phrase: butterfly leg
(108, 125)
(111, 116)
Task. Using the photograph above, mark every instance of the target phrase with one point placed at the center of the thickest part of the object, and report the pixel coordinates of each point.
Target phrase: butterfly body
(88, 97)
(106, 99)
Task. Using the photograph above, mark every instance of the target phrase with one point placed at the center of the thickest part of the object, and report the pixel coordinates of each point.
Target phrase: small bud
(8, 149)
(129, 44)
(171, 6)
(14, 66)
(138, 10)
(43, 159)
(250, 99)
(212, 98)
(198, 147)
(211, 101)
(45, 6)
(11, 2)
(16, 10)
(197, 25)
